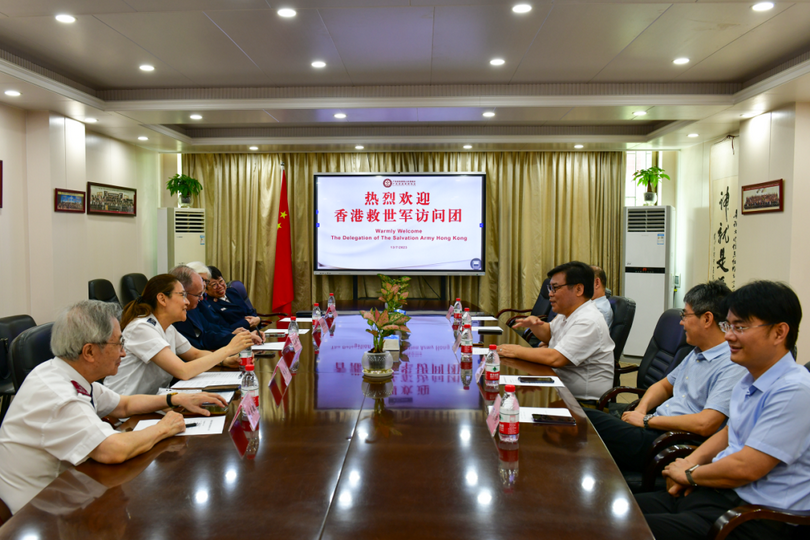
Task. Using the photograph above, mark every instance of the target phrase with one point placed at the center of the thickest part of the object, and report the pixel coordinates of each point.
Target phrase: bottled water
(316, 319)
(250, 386)
(330, 306)
(466, 318)
(466, 344)
(457, 310)
(292, 328)
(509, 426)
(492, 378)
(245, 358)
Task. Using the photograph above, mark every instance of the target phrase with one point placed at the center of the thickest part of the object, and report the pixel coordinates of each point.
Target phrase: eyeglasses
(119, 343)
(184, 294)
(684, 314)
(199, 296)
(737, 329)
(552, 288)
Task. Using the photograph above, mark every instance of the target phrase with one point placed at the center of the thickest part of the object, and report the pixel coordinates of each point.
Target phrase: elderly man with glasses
(228, 303)
(579, 346)
(56, 417)
(693, 397)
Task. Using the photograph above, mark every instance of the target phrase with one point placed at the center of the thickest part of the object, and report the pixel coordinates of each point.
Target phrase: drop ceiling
(408, 75)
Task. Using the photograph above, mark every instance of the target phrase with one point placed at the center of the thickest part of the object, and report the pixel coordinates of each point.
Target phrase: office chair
(542, 309)
(101, 289)
(624, 312)
(10, 328)
(132, 286)
(265, 318)
(28, 350)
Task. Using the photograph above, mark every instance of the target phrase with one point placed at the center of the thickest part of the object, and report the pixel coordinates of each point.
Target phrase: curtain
(543, 209)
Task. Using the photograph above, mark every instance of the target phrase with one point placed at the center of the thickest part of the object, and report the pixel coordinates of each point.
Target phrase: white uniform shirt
(583, 338)
(603, 305)
(137, 374)
(49, 425)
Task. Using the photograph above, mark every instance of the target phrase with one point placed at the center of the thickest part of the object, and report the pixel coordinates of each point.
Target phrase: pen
(193, 424)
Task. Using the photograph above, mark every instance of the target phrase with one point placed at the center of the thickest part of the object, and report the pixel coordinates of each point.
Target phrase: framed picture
(67, 200)
(111, 200)
(764, 197)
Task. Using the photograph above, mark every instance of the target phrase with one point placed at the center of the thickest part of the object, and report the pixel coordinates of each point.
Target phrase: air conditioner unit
(181, 237)
(649, 264)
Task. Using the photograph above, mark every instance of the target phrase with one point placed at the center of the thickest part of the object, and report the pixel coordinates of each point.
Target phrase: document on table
(513, 379)
(277, 346)
(483, 318)
(525, 413)
(211, 378)
(206, 425)
(480, 350)
(297, 319)
(283, 331)
(227, 395)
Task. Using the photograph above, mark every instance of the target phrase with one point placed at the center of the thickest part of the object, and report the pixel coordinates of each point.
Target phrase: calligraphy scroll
(724, 211)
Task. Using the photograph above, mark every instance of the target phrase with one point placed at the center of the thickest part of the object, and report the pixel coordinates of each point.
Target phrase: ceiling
(408, 75)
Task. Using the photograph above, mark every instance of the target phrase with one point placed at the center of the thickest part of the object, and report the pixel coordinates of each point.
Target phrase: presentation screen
(429, 224)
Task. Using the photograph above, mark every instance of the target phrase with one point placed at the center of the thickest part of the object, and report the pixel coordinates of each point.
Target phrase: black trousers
(627, 444)
(682, 518)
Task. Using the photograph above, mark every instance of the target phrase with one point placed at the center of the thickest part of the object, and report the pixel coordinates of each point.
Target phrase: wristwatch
(169, 399)
(647, 420)
(689, 475)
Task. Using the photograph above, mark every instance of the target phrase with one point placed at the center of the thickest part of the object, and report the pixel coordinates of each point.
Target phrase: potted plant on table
(650, 177)
(377, 363)
(186, 186)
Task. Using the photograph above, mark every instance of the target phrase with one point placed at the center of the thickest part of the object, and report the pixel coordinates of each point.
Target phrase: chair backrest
(132, 286)
(10, 328)
(28, 350)
(101, 289)
(667, 349)
(624, 311)
(240, 288)
(542, 307)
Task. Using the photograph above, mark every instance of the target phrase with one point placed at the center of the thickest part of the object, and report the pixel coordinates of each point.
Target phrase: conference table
(337, 456)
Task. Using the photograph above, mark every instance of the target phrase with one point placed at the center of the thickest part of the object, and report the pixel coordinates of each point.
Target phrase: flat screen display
(429, 224)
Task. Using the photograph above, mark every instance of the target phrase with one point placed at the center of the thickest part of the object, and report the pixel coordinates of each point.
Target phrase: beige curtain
(543, 209)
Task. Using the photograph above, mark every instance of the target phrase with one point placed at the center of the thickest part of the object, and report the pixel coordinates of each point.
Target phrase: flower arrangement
(383, 324)
(394, 291)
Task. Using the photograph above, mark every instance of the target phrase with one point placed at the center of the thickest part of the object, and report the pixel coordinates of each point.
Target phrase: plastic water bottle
(457, 310)
(466, 318)
(292, 328)
(492, 377)
(316, 318)
(245, 358)
(250, 386)
(330, 306)
(509, 426)
(466, 344)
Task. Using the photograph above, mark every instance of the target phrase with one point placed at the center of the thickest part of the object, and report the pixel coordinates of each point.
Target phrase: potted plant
(378, 362)
(186, 186)
(650, 178)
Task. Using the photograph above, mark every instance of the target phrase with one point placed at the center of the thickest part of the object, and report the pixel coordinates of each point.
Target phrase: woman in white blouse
(155, 351)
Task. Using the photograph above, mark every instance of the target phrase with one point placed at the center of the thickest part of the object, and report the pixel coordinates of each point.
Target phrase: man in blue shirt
(763, 455)
(693, 397)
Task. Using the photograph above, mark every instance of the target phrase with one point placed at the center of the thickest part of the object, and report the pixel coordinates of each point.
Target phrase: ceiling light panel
(287, 13)
(522, 8)
(763, 6)
(66, 19)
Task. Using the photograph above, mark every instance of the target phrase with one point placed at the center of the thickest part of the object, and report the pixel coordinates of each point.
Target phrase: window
(633, 193)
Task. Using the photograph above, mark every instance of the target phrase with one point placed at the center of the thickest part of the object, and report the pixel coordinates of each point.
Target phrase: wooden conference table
(330, 462)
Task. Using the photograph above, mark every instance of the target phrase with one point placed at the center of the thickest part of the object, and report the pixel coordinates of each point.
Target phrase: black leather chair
(624, 312)
(132, 286)
(541, 309)
(101, 289)
(28, 350)
(10, 328)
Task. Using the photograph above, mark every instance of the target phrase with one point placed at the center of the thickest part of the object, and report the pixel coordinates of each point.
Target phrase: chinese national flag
(283, 293)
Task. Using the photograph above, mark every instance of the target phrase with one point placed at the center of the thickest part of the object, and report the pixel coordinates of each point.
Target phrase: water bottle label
(466, 349)
(508, 428)
(493, 373)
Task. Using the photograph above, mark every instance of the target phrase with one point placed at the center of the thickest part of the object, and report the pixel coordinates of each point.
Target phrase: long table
(328, 461)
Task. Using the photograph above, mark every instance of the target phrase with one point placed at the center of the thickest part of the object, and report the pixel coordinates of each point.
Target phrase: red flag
(283, 293)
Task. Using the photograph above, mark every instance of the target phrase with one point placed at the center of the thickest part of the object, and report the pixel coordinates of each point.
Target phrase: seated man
(599, 298)
(212, 316)
(579, 346)
(762, 456)
(694, 397)
(227, 302)
(55, 418)
(197, 329)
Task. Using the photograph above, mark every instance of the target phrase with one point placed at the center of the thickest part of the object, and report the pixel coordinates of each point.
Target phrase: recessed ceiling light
(90, 120)
(489, 114)
(12, 93)
(497, 61)
(254, 148)
(522, 8)
(359, 147)
(693, 135)
(196, 117)
(340, 115)
(680, 61)
(142, 138)
(762, 6)
(318, 64)
(578, 146)
(467, 146)
(67, 19)
(147, 67)
(639, 113)
(286, 12)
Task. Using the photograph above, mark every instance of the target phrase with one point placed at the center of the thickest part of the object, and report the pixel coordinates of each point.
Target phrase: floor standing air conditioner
(181, 237)
(649, 264)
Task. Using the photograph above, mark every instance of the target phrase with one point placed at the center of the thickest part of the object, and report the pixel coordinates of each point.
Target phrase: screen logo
(475, 264)
(387, 182)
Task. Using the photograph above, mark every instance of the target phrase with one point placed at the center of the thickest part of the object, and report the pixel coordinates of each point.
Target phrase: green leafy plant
(394, 291)
(383, 324)
(650, 177)
(186, 186)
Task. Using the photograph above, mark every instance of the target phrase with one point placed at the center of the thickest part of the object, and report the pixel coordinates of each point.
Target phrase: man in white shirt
(599, 298)
(579, 346)
(55, 418)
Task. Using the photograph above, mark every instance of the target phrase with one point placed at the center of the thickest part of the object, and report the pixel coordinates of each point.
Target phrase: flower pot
(183, 202)
(377, 365)
(650, 198)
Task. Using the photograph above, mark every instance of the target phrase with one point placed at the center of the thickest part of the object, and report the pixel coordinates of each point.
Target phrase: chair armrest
(736, 516)
(672, 438)
(613, 392)
(512, 310)
(626, 369)
(660, 460)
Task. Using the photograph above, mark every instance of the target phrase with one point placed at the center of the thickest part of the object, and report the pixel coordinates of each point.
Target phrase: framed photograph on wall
(67, 200)
(764, 197)
(111, 200)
